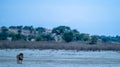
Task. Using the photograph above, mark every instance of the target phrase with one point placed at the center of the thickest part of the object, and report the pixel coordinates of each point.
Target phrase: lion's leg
(20, 61)
(17, 59)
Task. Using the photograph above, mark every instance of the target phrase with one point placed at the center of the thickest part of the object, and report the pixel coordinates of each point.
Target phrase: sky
(95, 17)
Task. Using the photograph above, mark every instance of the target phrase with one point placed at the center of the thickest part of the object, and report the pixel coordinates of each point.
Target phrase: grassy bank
(57, 45)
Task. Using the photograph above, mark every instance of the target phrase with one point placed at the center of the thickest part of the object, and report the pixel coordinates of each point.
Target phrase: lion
(19, 58)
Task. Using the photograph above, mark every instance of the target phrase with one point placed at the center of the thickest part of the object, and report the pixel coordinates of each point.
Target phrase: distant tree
(47, 37)
(19, 31)
(84, 37)
(30, 37)
(118, 38)
(30, 28)
(75, 31)
(104, 39)
(4, 33)
(19, 27)
(76, 35)
(68, 36)
(112, 39)
(38, 38)
(19, 37)
(4, 29)
(94, 39)
(3, 36)
(12, 27)
(60, 30)
(15, 27)
(40, 30)
(12, 35)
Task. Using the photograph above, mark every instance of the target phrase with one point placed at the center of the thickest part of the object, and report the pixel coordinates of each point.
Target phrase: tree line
(60, 33)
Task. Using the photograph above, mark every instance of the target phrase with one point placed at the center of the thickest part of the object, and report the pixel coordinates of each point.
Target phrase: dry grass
(57, 45)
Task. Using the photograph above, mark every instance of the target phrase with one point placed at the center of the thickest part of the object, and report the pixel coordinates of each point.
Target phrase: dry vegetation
(57, 45)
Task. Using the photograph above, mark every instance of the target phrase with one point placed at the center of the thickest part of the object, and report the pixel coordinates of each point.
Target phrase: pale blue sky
(101, 17)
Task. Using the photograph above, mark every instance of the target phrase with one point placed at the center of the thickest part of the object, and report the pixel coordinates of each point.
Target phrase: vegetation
(58, 45)
(94, 39)
(60, 30)
(62, 35)
(65, 33)
(68, 36)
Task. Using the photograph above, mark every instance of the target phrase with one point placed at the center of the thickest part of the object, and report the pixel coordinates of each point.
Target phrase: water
(60, 58)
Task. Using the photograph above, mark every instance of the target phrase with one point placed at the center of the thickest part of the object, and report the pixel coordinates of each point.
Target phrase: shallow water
(60, 58)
